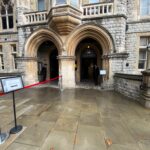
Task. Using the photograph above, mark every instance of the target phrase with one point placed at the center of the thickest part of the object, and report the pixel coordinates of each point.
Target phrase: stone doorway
(53, 63)
(88, 54)
(47, 56)
(88, 60)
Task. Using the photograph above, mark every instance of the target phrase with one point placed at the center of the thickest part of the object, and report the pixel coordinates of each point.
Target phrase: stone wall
(115, 25)
(6, 41)
(128, 85)
(120, 6)
(134, 32)
(132, 10)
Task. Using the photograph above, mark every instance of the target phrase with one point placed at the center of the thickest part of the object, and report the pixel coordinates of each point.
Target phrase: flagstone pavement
(75, 119)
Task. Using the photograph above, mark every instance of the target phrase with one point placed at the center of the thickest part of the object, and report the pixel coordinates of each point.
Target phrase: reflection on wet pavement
(76, 119)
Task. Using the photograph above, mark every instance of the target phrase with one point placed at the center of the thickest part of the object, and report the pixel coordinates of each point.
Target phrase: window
(7, 14)
(41, 5)
(61, 2)
(145, 7)
(1, 58)
(74, 3)
(14, 55)
(94, 1)
(143, 52)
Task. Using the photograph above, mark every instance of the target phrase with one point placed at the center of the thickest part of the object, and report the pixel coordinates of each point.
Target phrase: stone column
(67, 70)
(28, 67)
(148, 60)
(145, 89)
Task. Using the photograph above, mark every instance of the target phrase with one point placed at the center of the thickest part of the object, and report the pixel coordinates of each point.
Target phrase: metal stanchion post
(17, 128)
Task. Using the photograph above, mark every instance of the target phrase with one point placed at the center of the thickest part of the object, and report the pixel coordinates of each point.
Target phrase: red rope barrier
(43, 82)
(38, 83)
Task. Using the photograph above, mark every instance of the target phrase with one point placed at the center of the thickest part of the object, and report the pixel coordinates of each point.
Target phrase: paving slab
(144, 144)
(66, 124)
(59, 140)
(117, 131)
(18, 146)
(92, 119)
(90, 138)
(139, 128)
(36, 134)
(76, 119)
(124, 147)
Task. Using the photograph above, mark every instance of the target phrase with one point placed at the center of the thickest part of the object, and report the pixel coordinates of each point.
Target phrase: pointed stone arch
(30, 51)
(98, 33)
(38, 37)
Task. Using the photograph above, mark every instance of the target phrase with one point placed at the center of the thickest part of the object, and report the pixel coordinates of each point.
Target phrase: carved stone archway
(38, 37)
(100, 34)
(30, 51)
(97, 33)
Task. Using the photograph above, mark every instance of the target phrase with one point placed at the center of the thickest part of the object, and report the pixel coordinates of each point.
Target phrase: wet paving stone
(124, 147)
(76, 119)
(59, 140)
(90, 138)
(18, 146)
(66, 124)
(36, 134)
(92, 119)
(144, 144)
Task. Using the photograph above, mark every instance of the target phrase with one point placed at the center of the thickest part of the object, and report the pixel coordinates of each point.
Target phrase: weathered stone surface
(124, 26)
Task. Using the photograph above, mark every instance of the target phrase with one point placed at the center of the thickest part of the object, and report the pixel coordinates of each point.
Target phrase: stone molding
(66, 57)
(117, 55)
(26, 58)
(105, 17)
(146, 72)
(32, 25)
(129, 76)
(139, 21)
(64, 6)
(8, 32)
(94, 31)
(64, 19)
(11, 74)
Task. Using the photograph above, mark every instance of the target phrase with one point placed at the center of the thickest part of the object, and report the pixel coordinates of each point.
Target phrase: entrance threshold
(53, 84)
(88, 85)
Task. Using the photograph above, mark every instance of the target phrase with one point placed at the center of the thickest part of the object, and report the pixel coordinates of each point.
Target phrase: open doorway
(47, 57)
(53, 63)
(88, 54)
(88, 60)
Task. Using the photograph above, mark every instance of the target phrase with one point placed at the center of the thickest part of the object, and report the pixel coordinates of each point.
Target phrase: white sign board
(11, 84)
(102, 72)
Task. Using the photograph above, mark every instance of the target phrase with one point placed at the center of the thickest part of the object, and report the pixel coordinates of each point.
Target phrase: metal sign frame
(9, 78)
(16, 128)
(102, 72)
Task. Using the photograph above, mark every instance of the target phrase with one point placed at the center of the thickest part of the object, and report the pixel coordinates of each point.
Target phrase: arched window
(7, 14)
(41, 5)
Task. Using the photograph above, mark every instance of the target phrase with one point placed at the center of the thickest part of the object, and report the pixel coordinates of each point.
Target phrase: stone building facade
(71, 36)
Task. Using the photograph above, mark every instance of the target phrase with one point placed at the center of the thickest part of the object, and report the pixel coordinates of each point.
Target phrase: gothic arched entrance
(88, 54)
(47, 56)
(102, 45)
(53, 63)
(42, 47)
